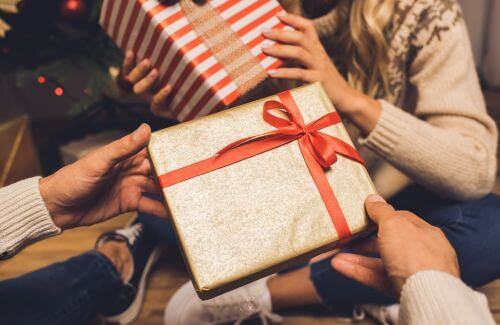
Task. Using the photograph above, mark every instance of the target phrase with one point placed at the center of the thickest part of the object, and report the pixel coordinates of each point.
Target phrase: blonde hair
(359, 31)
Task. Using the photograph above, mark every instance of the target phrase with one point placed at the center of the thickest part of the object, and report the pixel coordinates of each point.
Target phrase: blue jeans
(471, 227)
(70, 292)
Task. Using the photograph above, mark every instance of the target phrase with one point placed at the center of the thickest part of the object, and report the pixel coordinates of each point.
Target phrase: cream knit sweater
(436, 129)
(23, 217)
(428, 297)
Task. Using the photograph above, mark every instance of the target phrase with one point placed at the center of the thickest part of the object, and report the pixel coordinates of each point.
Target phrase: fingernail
(265, 46)
(145, 62)
(266, 30)
(374, 198)
(153, 73)
(272, 72)
(129, 54)
(282, 14)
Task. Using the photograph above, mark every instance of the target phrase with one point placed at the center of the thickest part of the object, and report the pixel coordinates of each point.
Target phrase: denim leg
(334, 289)
(70, 292)
(471, 227)
(475, 236)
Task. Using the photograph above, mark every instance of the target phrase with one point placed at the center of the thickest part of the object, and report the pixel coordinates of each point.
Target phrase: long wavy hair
(357, 31)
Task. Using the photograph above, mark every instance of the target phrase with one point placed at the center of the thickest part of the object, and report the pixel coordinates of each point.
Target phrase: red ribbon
(318, 149)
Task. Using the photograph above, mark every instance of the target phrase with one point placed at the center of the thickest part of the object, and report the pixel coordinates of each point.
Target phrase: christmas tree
(51, 41)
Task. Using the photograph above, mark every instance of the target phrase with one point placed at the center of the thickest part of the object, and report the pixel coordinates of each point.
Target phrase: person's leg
(70, 292)
(474, 234)
(110, 281)
(162, 229)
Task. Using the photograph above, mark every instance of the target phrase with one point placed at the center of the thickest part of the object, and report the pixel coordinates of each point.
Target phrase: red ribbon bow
(318, 149)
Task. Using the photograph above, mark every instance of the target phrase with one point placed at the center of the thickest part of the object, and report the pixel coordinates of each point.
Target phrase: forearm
(23, 216)
(362, 110)
(456, 162)
(433, 297)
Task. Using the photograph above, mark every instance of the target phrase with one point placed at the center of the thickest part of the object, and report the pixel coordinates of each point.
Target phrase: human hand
(143, 80)
(105, 183)
(406, 244)
(304, 46)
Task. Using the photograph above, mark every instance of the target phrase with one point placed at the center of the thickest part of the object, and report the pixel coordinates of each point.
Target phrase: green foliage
(62, 51)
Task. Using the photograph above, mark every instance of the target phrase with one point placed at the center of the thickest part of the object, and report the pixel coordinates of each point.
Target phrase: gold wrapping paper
(252, 218)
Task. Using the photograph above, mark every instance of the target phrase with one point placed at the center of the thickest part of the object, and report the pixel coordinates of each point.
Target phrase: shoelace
(226, 309)
(132, 233)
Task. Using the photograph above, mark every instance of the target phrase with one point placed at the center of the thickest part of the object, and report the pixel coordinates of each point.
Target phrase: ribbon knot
(322, 147)
(318, 149)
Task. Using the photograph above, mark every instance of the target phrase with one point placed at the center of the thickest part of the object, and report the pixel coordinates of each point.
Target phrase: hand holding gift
(304, 46)
(209, 52)
(143, 80)
(107, 182)
(406, 244)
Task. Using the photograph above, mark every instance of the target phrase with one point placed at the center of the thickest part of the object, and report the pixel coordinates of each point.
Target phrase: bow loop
(293, 117)
(321, 148)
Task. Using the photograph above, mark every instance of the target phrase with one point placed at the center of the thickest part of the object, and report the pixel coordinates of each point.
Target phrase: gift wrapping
(210, 53)
(242, 220)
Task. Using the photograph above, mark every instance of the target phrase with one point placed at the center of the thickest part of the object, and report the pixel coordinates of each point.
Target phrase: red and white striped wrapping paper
(162, 33)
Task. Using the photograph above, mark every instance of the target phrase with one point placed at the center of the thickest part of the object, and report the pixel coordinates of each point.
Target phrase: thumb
(123, 148)
(377, 208)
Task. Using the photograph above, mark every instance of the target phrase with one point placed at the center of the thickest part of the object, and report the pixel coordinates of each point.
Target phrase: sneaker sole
(129, 315)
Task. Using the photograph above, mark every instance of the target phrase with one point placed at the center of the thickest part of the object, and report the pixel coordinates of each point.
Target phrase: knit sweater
(428, 297)
(434, 297)
(23, 216)
(434, 126)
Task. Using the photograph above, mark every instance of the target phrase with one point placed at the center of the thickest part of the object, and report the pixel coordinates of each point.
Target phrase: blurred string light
(58, 89)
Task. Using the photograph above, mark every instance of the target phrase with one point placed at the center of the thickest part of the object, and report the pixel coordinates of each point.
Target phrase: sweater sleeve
(434, 297)
(449, 143)
(23, 216)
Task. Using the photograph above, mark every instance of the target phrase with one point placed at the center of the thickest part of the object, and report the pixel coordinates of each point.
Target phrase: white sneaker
(252, 300)
(385, 315)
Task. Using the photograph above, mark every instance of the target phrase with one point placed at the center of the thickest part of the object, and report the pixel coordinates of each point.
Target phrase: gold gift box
(255, 217)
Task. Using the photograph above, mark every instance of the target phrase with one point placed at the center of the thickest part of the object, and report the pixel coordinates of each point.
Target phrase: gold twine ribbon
(229, 50)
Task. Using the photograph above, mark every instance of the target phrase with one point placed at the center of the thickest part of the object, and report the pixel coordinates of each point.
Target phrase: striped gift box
(210, 54)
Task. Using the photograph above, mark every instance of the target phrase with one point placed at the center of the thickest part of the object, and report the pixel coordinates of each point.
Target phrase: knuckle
(140, 89)
(300, 53)
(405, 214)
(298, 36)
(438, 232)
(311, 76)
(396, 222)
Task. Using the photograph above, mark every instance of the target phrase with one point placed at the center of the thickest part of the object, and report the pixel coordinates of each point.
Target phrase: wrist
(363, 111)
(47, 193)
